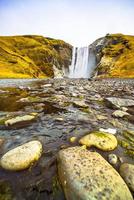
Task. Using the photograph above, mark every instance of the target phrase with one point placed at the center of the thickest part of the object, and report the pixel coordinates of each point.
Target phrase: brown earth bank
(59, 113)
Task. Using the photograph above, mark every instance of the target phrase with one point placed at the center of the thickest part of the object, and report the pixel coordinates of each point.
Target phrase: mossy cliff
(115, 56)
(32, 56)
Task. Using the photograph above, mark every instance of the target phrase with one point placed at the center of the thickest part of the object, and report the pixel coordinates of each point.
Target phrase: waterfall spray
(83, 63)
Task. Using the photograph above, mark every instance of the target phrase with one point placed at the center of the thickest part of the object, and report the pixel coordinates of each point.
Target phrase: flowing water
(83, 63)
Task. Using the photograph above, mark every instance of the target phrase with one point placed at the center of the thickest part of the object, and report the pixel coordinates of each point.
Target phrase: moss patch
(32, 56)
(117, 56)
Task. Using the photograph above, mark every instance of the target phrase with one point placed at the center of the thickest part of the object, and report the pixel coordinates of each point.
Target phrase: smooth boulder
(86, 175)
(101, 140)
(127, 172)
(115, 102)
(22, 156)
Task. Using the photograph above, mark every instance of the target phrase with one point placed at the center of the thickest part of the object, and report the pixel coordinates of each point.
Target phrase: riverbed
(59, 119)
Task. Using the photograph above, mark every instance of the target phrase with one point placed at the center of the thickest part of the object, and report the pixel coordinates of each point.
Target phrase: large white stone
(86, 175)
(22, 156)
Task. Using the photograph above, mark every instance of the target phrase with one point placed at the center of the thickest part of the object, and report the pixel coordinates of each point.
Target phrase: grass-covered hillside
(32, 56)
(116, 56)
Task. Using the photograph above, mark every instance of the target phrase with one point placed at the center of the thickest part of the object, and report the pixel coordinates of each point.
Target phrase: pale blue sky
(78, 22)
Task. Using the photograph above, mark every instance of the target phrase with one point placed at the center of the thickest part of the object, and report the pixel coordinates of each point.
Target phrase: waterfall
(83, 63)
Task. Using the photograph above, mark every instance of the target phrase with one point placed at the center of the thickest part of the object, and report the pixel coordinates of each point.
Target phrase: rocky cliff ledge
(115, 56)
(32, 56)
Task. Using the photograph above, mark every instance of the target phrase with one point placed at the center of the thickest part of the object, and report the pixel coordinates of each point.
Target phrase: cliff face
(33, 57)
(115, 56)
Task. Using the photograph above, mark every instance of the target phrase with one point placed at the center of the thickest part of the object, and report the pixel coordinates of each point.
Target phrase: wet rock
(127, 172)
(124, 109)
(1, 141)
(22, 156)
(116, 123)
(47, 85)
(2, 120)
(59, 119)
(74, 94)
(112, 159)
(115, 102)
(6, 192)
(24, 100)
(127, 142)
(101, 117)
(39, 107)
(120, 113)
(80, 104)
(87, 175)
(21, 119)
(109, 130)
(72, 139)
(101, 140)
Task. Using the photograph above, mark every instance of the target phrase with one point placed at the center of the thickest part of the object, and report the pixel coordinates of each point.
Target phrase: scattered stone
(120, 113)
(115, 102)
(60, 119)
(109, 130)
(121, 159)
(101, 117)
(24, 100)
(124, 109)
(116, 123)
(72, 139)
(47, 85)
(1, 141)
(80, 104)
(87, 175)
(127, 172)
(101, 140)
(74, 94)
(22, 156)
(112, 158)
(21, 119)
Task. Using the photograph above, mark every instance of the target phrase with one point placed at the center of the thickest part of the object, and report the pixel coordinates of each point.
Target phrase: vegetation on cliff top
(32, 56)
(117, 56)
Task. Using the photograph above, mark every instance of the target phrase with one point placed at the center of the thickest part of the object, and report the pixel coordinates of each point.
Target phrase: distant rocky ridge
(32, 56)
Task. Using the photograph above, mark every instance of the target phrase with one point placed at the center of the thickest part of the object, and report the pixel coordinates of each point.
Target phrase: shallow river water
(58, 120)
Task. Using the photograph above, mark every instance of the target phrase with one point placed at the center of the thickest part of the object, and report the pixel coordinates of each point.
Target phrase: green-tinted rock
(87, 175)
(101, 140)
(6, 191)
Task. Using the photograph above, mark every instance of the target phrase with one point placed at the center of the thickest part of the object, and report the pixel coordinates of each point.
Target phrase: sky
(78, 22)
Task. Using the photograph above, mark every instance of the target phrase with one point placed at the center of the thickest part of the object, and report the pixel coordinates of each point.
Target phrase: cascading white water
(83, 63)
